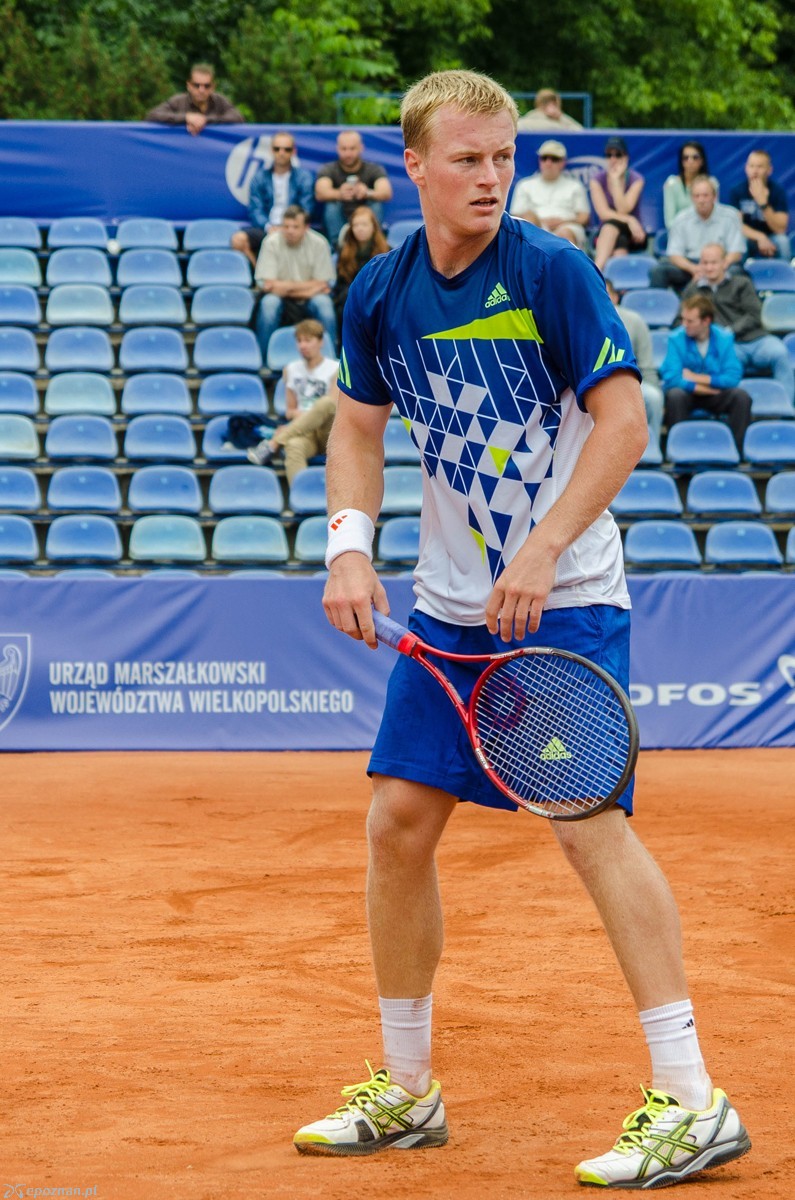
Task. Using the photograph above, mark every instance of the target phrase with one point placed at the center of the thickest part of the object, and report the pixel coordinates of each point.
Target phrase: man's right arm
(170, 112)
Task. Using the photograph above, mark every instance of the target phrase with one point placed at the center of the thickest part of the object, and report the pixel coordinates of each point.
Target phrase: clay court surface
(185, 978)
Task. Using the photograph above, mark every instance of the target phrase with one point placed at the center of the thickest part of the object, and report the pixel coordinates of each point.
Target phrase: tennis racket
(552, 730)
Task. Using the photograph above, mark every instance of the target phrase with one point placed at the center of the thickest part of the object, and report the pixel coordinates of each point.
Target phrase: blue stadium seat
(280, 396)
(148, 267)
(770, 444)
(78, 348)
(84, 573)
(657, 306)
(153, 348)
(19, 305)
(648, 494)
(12, 573)
(152, 304)
(768, 398)
(80, 392)
(661, 544)
(77, 265)
(789, 342)
(159, 438)
(17, 539)
(18, 351)
(223, 267)
(232, 393)
(722, 493)
(402, 491)
(652, 456)
(245, 489)
(160, 573)
(778, 312)
(780, 494)
(790, 550)
(659, 345)
(282, 348)
(660, 242)
(398, 445)
(308, 491)
(21, 267)
(19, 441)
(77, 231)
(79, 304)
(19, 490)
(156, 393)
(249, 539)
(629, 271)
(167, 538)
(311, 539)
(18, 394)
(19, 231)
(770, 274)
(84, 489)
(697, 442)
(399, 230)
(213, 305)
(215, 444)
(81, 437)
(227, 348)
(146, 233)
(209, 233)
(742, 544)
(399, 540)
(250, 573)
(165, 489)
(84, 537)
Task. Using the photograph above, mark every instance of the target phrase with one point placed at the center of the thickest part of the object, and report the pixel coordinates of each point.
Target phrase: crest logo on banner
(244, 160)
(786, 665)
(14, 673)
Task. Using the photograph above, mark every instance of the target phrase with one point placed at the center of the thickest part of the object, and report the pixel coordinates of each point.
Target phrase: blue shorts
(421, 736)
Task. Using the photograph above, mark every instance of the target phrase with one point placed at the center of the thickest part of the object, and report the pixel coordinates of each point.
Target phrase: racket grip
(388, 631)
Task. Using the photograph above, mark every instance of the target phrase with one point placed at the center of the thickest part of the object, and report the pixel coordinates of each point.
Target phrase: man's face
(712, 264)
(703, 198)
(551, 168)
(293, 229)
(308, 346)
(758, 166)
(282, 149)
(200, 87)
(349, 150)
(551, 108)
(464, 176)
(695, 326)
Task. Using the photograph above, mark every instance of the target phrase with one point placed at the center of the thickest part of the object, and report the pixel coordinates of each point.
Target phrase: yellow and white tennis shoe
(664, 1143)
(377, 1115)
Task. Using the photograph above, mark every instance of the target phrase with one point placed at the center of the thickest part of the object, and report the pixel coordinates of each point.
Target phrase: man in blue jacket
(701, 370)
(273, 189)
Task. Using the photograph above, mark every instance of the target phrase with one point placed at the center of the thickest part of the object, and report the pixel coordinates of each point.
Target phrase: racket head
(554, 732)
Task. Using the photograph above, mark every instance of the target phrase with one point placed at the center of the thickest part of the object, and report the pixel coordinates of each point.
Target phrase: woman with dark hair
(362, 240)
(615, 195)
(676, 189)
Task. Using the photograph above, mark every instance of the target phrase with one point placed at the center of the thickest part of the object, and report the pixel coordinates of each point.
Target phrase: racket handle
(388, 631)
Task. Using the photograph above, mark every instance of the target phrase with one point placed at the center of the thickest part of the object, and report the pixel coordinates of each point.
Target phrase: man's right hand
(352, 590)
(195, 122)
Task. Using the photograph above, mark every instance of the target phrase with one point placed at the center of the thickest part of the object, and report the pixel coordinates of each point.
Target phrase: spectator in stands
(302, 438)
(273, 189)
(547, 113)
(296, 274)
(310, 375)
(201, 105)
(702, 370)
(553, 199)
(764, 209)
(362, 240)
(640, 337)
(615, 195)
(350, 181)
(705, 221)
(676, 189)
(738, 307)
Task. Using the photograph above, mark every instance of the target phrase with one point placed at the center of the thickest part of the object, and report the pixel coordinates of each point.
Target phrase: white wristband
(349, 529)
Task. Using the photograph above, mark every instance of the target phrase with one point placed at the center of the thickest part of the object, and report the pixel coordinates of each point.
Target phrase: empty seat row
(694, 443)
(140, 304)
(633, 272)
(150, 348)
(89, 266)
(86, 392)
(203, 233)
(731, 544)
(659, 308)
(709, 493)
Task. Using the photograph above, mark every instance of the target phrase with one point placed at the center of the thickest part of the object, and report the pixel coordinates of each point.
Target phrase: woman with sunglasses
(615, 195)
(676, 189)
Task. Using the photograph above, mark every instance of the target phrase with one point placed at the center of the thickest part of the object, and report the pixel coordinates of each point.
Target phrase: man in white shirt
(706, 222)
(553, 199)
(296, 274)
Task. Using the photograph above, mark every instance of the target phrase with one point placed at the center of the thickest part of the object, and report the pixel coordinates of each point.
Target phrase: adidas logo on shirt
(554, 751)
(498, 296)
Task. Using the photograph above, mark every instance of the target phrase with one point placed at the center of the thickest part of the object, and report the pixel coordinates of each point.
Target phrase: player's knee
(587, 843)
(397, 825)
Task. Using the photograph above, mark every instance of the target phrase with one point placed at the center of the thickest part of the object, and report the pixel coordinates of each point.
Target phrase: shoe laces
(637, 1123)
(361, 1094)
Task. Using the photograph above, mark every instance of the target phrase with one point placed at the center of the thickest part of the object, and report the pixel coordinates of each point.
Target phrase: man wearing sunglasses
(552, 199)
(276, 186)
(201, 105)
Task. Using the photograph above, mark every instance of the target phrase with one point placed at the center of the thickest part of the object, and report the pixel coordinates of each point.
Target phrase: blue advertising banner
(113, 170)
(226, 664)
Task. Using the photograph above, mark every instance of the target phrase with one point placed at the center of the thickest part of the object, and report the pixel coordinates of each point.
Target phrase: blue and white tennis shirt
(488, 371)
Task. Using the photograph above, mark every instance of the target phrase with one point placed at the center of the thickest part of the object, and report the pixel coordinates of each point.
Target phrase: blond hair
(468, 91)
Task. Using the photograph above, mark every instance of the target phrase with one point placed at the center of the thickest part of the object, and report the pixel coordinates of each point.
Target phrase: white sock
(676, 1062)
(406, 1032)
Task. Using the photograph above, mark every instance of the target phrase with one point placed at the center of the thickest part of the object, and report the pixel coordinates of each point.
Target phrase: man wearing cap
(553, 199)
(547, 113)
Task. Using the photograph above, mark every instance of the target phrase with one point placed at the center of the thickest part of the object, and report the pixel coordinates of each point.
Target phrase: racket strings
(553, 731)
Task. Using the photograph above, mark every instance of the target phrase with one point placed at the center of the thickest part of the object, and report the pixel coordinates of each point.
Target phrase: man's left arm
(613, 448)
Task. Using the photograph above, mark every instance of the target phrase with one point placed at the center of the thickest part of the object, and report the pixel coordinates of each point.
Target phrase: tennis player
(500, 349)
